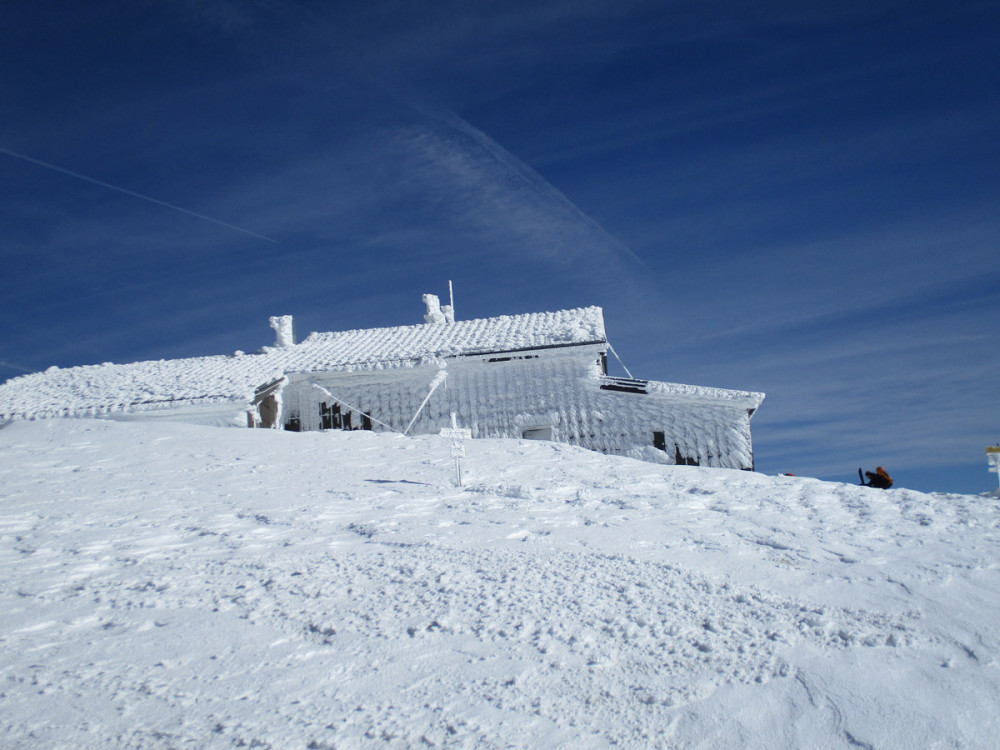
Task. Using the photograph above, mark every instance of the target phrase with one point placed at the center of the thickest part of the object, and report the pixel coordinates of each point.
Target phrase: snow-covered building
(533, 376)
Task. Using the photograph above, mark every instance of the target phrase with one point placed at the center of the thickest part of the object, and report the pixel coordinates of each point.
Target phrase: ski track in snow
(178, 586)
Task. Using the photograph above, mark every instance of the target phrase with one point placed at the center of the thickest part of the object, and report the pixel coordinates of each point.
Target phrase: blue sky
(793, 197)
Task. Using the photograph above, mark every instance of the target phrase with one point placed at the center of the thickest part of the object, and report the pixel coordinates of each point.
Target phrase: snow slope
(168, 585)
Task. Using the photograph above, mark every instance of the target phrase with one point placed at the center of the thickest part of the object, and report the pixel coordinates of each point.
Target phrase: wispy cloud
(495, 187)
(227, 17)
(912, 390)
(391, 196)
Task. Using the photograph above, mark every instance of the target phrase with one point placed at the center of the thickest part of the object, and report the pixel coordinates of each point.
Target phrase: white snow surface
(107, 388)
(170, 585)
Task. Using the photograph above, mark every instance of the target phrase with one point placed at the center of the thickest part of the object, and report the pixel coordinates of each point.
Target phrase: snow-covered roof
(97, 389)
(505, 333)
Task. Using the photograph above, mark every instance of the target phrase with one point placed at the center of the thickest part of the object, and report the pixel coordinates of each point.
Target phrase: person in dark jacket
(879, 478)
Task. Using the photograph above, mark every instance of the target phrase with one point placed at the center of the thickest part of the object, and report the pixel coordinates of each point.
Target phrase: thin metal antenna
(451, 298)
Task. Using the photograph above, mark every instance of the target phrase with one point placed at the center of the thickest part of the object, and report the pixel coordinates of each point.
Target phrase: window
(682, 460)
(537, 433)
(332, 417)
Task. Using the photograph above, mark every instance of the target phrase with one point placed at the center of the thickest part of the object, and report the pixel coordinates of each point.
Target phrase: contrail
(5, 365)
(133, 194)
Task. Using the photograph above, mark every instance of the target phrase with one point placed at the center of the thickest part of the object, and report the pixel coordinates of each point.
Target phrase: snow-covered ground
(167, 585)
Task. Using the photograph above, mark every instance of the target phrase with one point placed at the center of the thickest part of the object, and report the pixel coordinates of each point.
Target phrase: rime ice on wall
(556, 393)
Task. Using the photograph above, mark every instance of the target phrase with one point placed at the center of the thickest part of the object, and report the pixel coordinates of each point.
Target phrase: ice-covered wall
(557, 390)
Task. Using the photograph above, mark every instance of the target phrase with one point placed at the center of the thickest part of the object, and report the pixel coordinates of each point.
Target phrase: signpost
(993, 456)
(458, 436)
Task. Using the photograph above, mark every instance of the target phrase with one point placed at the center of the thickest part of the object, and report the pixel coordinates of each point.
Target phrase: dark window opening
(682, 460)
(508, 359)
(604, 362)
(332, 418)
(542, 432)
(624, 385)
(659, 441)
(294, 424)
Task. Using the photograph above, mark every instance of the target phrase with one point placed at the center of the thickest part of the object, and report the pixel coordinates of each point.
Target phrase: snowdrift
(169, 585)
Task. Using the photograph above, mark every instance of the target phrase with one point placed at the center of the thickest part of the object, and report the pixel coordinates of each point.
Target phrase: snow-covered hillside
(169, 585)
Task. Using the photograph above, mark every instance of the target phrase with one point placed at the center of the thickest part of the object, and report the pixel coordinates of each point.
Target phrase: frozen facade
(533, 376)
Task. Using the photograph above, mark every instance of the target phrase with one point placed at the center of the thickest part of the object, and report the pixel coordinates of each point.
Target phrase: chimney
(437, 315)
(284, 328)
